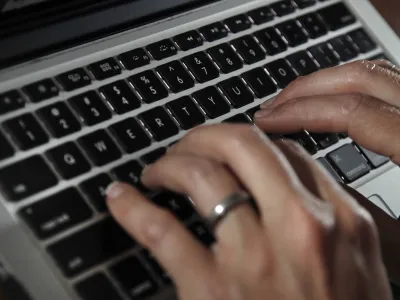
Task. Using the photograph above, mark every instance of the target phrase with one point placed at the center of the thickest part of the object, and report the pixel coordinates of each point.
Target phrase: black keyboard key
(293, 33)
(11, 101)
(226, 58)
(42, 90)
(6, 150)
(56, 213)
(374, 159)
(201, 66)
(349, 162)
(97, 287)
(303, 63)
(362, 40)
(162, 49)
(68, 160)
(186, 112)
(214, 31)
(271, 41)
(261, 15)
(21, 179)
(159, 123)
(325, 140)
(89, 247)
(95, 189)
(304, 140)
(105, 69)
(324, 162)
(239, 119)
(59, 119)
(26, 131)
(324, 56)
(344, 47)
(304, 3)
(314, 25)
(337, 16)
(236, 91)
(283, 8)
(175, 75)
(189, 40)
(238, 23)
(260, 82)
(177, 204)
(250, 113)
(249, 49)
(130, 135)
(149, 86)
(130, 173)
(120, 97)
(212, 102)
(153, 156)
(90, 108)
(74, 79)
(282, 72)
(99, 147)
(134, 59)
(134, 278)
(201, 232)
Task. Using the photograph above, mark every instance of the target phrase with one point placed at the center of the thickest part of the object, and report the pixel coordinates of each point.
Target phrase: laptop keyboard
(57, 219)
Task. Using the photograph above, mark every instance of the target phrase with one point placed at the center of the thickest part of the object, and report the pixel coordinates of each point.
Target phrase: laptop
(92, 91)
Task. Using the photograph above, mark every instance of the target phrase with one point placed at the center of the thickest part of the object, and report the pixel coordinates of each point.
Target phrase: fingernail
(114, 190)
(262, 113)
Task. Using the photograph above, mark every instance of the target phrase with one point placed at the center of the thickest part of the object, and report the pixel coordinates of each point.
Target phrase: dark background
(390, 9)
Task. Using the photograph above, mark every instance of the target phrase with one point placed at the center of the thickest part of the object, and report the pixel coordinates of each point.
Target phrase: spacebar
(384, 191)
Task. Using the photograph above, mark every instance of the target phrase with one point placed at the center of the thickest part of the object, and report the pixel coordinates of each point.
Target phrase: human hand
(309, 239)
(360, 98)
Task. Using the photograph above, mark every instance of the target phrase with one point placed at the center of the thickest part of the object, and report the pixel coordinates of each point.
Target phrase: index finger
(369, 78)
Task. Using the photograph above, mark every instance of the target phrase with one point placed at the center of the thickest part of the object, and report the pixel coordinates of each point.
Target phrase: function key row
(78, 78)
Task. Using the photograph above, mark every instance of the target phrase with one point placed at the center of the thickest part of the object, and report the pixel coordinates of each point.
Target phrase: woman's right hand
(360, 98)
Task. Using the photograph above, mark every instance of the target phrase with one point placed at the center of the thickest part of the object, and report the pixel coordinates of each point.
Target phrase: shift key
(349, 162)
(89, 247)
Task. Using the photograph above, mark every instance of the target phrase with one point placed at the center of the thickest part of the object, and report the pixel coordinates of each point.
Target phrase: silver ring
(221, 210)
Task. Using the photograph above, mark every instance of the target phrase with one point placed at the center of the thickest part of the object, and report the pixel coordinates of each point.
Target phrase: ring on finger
(221, 210)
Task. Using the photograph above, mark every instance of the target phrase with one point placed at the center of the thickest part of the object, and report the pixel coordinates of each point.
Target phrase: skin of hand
(309, 240)
(361, 98)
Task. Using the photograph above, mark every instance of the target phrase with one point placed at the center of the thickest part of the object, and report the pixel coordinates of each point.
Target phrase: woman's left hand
(309, 239)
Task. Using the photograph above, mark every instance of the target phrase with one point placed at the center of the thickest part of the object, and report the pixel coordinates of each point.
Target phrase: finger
(188, 262)
(358, 77)
(370, 122)
(384, 63)
(208, 183)
(354, 222)
(254, 159)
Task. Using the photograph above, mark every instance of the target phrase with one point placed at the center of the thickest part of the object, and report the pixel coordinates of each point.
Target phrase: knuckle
(311, 233)
(261, 265)
(239, 137)
(201, 169)
(158, 228)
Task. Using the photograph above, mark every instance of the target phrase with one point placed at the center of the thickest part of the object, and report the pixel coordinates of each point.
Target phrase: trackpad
(384, 191)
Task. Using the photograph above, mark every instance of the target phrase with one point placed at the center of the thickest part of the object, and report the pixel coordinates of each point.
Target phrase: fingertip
(115, 190)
